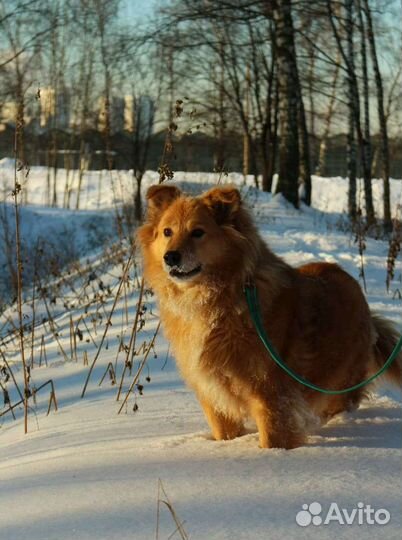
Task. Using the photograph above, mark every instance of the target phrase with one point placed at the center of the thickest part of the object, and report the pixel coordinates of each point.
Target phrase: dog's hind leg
(222, 426)
(333, 405)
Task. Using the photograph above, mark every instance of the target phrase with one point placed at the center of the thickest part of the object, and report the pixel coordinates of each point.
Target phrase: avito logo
(312, 514)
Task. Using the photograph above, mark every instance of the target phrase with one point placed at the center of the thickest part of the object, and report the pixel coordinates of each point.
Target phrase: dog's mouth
(180, 274)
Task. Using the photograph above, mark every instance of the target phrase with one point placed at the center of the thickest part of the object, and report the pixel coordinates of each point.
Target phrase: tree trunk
(266, 158)
(138, 201)
(268, 134)
(305, 169)
(268, 149)
(246, 132)
(320, 170)
(381, 118)
(353, 114)
(288, 84)
(54, 156)
(351, 166)
(80, 173)
(365, 133)
(220, 150)
(351, 140)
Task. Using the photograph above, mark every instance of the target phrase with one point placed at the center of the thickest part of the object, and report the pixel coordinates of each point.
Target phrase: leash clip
(248, 284)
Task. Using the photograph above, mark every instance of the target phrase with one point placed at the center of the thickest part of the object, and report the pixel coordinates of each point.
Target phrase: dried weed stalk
(394, 247)
(360, 240)
(15, 194)
(109, 321)
(164, 499)
(140, 368)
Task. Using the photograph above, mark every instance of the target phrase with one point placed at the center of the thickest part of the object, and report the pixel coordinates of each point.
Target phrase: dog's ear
(224, 202)
(160, 197)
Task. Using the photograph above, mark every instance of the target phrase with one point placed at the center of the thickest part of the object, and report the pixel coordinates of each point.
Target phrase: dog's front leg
(275, 425)
(222, 426)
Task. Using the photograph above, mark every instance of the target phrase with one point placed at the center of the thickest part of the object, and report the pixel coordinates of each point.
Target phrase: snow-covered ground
(106, 189)
(87, 472)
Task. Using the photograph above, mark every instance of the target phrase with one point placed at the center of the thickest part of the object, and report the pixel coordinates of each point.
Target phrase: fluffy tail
(387, 338)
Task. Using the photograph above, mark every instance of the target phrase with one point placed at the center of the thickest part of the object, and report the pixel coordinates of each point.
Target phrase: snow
(64, 234)
(87, 472)
(104, 189)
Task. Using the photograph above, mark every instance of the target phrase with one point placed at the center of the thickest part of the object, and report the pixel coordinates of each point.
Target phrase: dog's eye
(197, 233)
(167, 232)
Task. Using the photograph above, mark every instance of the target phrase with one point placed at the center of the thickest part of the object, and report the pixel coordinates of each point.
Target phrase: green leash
(255, 312)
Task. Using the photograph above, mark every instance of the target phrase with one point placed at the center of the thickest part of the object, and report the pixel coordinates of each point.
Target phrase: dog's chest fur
(207, 350)
(213, 354)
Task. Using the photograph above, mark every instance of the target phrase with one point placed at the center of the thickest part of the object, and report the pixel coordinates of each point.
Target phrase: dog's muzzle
(178, 269)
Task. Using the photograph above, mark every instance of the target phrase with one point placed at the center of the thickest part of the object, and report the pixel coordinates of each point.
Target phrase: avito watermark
(361, 514)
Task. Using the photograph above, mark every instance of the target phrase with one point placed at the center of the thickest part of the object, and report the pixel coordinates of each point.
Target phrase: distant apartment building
(8, 114)
(47, 106)
(43, 110)
(129, 113)
(9, 110)
(116, 114)
(139, 115)
(54, 108)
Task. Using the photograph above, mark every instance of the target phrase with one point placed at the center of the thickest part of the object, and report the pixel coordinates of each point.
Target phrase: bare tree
(24, 26)
(83, 77)
(364, 132)
(354, 113)
(289, 100)
(381, 117)
(320, 170)
(55, 48)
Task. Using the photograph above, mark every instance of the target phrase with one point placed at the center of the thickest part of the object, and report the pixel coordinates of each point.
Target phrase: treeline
(290, 69)
(195, 151)
(277, 73)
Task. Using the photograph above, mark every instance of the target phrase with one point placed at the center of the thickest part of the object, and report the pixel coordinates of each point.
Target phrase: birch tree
(289, 95)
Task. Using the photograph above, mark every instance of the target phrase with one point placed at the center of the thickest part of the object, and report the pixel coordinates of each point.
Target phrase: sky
(137, 9)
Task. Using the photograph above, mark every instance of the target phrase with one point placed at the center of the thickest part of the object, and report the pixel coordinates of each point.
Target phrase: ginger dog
(198, 254)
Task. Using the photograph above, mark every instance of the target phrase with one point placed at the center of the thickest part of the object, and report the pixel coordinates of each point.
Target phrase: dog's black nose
(172, 258)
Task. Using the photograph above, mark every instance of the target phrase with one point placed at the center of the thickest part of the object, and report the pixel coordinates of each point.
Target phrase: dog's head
(191, 238)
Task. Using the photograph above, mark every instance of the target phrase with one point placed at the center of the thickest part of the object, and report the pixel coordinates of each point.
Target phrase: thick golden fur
(315, 315)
